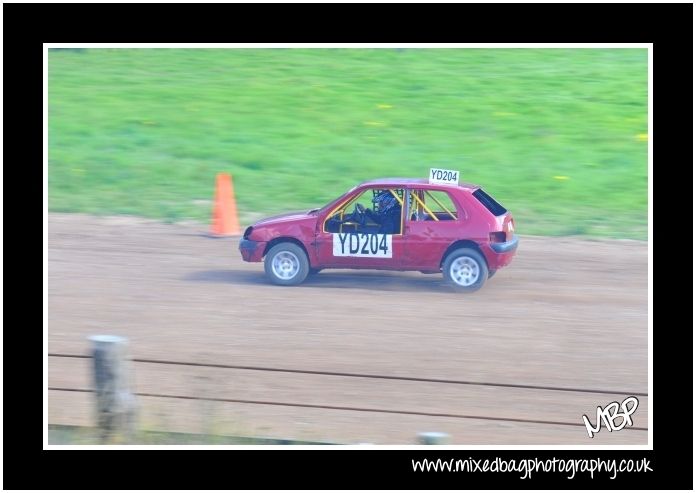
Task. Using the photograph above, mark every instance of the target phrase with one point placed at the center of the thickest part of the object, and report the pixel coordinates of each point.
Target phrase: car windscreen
(489, 202)
(335, 201)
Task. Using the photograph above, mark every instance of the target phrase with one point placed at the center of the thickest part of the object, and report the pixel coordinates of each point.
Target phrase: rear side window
(489, 202)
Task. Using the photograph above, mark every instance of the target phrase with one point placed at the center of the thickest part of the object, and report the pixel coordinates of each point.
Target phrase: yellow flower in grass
(374, 124)
(642, 137)
(561, 178)
(384, 106)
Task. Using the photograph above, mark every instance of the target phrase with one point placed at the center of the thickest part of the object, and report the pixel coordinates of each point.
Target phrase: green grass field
(559, 136)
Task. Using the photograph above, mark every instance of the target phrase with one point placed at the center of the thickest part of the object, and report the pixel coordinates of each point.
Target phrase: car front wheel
(465, 270)
(286, 264)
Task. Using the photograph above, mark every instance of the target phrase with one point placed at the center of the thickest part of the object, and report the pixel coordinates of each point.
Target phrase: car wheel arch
(286, 239)
(462, 244)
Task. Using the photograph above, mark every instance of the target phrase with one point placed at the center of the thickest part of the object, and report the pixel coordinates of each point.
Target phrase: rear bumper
(252, 251)
(508, 246)
(500, 254)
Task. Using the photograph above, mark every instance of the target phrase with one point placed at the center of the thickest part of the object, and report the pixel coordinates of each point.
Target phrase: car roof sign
(439, 176)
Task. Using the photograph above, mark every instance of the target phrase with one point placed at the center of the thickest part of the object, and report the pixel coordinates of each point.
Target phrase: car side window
(376, 210)
(431, 205)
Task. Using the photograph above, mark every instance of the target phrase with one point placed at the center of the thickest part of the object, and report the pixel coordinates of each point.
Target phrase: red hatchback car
(430, 226)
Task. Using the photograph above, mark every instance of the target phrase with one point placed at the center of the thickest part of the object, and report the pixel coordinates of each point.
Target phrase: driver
(386, 213)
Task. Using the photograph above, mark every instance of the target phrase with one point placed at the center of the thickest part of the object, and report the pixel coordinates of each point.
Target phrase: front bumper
(506, 247)
(252, 251)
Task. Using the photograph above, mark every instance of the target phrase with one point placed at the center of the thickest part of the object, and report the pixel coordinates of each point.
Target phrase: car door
(351, 245)
(434, 221)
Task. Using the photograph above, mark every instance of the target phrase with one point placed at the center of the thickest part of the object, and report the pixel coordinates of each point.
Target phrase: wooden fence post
(116, 406)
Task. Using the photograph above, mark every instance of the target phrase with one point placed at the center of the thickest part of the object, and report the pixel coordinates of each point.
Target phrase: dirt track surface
(565, 313)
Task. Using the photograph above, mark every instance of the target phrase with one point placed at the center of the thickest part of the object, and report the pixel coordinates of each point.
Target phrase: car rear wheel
(465, 270)
(286, 264)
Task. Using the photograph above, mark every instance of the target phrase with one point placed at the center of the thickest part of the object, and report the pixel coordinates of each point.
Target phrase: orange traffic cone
(225, 221)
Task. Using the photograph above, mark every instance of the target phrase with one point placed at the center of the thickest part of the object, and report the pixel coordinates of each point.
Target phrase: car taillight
(498, 237)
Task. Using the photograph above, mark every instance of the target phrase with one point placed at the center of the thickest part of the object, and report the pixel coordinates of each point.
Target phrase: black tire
(491, 273)
(313, 271)
(286, 264)
(465, 270)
